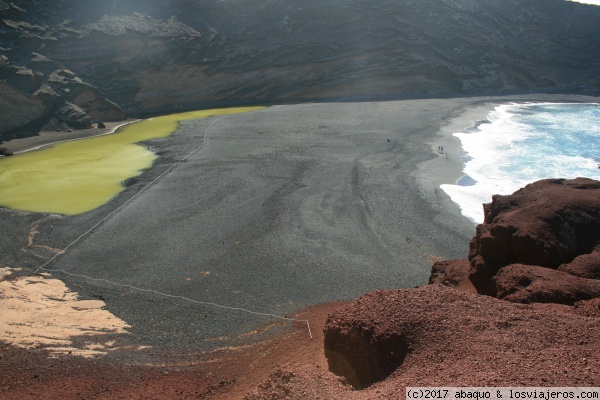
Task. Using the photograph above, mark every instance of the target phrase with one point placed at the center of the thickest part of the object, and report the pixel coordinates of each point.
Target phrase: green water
(74, 177)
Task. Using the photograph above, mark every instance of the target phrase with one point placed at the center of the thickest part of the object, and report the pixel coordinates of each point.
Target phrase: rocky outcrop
(533, 242)
(551, 223)
(452, 273)
(162, 55)
(364, 346)
(539, 245)
(529, 283)
(437, 335)
(44, 95)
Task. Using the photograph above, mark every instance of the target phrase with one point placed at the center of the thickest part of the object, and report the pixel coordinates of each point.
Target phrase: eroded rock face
(452, 273)
(540, 244)
(548, 223)
(21, 108)
(584, 266)
(363, 344)
(74, 116)
(46, 95)
(159, 56)
(438, 334)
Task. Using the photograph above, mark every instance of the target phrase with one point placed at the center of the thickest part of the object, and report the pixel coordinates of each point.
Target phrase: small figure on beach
(441, 149)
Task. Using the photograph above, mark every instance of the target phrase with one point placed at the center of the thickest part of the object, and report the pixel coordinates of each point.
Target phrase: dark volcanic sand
(282, 209)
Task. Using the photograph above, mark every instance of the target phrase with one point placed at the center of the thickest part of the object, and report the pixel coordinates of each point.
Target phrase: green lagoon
(74, 177)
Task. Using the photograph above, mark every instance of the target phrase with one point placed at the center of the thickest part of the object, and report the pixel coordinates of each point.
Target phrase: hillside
(67, 63)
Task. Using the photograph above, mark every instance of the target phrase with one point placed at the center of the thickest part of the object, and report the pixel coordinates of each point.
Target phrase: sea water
(74, 177)
(522, 143)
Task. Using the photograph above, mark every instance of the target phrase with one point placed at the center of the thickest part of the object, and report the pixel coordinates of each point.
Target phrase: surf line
(63, 251)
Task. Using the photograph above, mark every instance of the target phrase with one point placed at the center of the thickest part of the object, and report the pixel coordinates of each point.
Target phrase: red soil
(227, 374)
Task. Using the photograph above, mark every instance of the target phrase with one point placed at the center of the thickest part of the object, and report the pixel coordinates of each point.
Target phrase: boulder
(5, 152)
(529, 283)
(74, 116)
(584, 266)
(452, 273)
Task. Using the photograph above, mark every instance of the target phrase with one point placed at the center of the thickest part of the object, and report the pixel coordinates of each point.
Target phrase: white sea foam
(522, 143)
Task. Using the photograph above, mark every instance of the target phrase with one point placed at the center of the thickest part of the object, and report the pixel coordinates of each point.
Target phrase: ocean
(522, 143)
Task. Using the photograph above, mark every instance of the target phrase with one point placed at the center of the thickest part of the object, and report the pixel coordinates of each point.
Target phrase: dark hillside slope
(69, 62)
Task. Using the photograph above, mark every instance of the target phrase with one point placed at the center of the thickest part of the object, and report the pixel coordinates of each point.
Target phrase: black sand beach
(283, 208)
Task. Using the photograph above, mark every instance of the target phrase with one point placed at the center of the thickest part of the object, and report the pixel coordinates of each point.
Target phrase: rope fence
(63, 251)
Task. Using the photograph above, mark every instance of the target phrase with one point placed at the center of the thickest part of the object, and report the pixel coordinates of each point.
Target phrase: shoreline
(49, 138)
(455, 123)
(448, 167)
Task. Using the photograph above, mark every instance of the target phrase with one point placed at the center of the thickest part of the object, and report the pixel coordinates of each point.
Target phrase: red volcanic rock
(584, 266)
(369, 339)
(362, 343)
(588, 308)
(548, 223)
(439, 336)
(453, 273)
(527, 283)
(309, 382)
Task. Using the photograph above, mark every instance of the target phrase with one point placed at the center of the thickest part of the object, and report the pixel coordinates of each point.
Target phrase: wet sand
(282, 209)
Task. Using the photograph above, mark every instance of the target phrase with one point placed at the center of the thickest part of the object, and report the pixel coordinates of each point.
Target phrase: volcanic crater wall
(132, 58)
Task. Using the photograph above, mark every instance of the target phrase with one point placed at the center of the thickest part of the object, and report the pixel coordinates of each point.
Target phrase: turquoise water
(522, 143)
